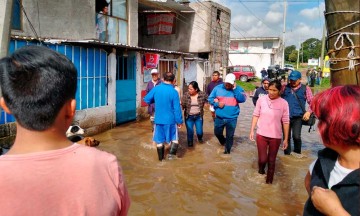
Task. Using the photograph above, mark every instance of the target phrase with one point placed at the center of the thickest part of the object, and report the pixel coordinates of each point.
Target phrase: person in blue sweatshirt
(167, 115)
(226, 98)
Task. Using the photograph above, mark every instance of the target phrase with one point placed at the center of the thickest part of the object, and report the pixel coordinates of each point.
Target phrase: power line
(231, 24)
(30, 24)
(256, 16)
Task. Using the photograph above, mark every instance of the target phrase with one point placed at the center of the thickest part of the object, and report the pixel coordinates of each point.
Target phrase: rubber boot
(190, 144)
(261, 169)
(200, 138)
(173, 149)
(161, 151)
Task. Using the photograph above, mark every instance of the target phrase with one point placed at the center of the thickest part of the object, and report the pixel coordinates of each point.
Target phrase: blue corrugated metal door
(126, 88)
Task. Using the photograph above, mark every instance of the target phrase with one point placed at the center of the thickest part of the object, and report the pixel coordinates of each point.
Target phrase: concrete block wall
(76, 18)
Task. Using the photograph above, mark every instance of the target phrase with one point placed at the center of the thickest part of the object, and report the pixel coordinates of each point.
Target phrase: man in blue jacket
(167, 113)
(225, 99)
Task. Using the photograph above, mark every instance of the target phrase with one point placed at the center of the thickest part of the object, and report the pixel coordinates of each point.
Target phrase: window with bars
(267, 44)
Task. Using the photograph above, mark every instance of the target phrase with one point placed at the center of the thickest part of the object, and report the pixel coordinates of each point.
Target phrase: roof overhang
(163, 6)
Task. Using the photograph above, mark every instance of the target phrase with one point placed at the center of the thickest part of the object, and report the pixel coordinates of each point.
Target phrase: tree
(311, 48)
(293, 56)
(288, 51)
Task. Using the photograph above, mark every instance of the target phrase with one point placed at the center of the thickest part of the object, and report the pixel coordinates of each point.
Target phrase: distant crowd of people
(44, 173)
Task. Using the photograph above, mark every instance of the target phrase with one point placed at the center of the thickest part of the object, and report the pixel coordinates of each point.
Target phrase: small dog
(75, 134)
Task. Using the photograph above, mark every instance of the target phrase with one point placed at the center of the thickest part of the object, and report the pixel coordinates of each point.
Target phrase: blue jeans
(295, 131)
(190, 121)
(230, 125)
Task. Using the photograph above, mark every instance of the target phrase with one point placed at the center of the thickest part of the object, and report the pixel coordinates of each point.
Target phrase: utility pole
(5, 26)
(322, 48)
(297, 62)
(283, 42)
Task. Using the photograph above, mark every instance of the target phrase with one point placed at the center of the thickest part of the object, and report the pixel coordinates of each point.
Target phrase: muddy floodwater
(204, 181)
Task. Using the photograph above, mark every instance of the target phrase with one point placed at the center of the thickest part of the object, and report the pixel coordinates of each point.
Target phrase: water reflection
(203, 181)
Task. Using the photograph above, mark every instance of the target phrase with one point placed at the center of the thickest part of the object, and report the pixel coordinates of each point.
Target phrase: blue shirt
(231, 98)
(167, 104)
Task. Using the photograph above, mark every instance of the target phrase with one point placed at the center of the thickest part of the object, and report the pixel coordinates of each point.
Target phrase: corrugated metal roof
(98, 43)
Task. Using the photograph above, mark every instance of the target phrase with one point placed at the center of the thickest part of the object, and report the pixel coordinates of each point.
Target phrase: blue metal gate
(126, 88)
(91, 64)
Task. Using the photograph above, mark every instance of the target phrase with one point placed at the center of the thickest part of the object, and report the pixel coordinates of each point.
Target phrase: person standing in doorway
(193, 103)
(296, 94)
(271, 115)
(102, 22)
(226, 98)
(262, 91)
(167, 105)
(216, 80)
(155, 80)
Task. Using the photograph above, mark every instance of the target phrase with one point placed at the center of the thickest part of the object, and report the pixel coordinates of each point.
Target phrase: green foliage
(293, 56)
(310, 48)
(247, 86)
(288, 51)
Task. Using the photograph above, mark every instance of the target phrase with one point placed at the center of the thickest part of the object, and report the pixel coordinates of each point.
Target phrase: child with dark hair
(333, 180)
(43, 171)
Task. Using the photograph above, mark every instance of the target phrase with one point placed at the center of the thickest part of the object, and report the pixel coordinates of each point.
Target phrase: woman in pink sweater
(271, 114)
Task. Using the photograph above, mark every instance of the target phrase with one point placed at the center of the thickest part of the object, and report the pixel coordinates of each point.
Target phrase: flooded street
(204, 181)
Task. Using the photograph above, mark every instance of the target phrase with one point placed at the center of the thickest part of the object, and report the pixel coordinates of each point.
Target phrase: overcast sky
(264, 18)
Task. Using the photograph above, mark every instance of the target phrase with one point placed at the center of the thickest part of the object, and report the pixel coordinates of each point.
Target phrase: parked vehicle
(288, 67)
(275, 72)
(243, 73)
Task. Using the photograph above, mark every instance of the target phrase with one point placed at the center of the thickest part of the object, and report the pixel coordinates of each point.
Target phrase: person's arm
(327, 202)
(286, 127)
(177, 110)
(309, 97)
(149, 98)
(183, 100)
(212, 97)
(286, 124)
(307, 182)
(239, 94)
(148, 87)
(255, 97)
(253, 124)
(208, 89)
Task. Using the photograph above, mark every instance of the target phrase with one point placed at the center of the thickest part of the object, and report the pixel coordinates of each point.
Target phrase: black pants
(295, 133)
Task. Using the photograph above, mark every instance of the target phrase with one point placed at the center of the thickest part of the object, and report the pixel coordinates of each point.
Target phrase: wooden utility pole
(343, 41)
(5, 26)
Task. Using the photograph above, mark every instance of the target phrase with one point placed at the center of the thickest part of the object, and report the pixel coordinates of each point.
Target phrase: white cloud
(313, 13)
(273, 17)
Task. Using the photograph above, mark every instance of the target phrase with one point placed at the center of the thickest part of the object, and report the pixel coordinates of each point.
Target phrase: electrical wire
(30, 24)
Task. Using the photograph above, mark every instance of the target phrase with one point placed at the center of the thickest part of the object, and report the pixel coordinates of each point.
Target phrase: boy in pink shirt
(44, 173)
(271, 114)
